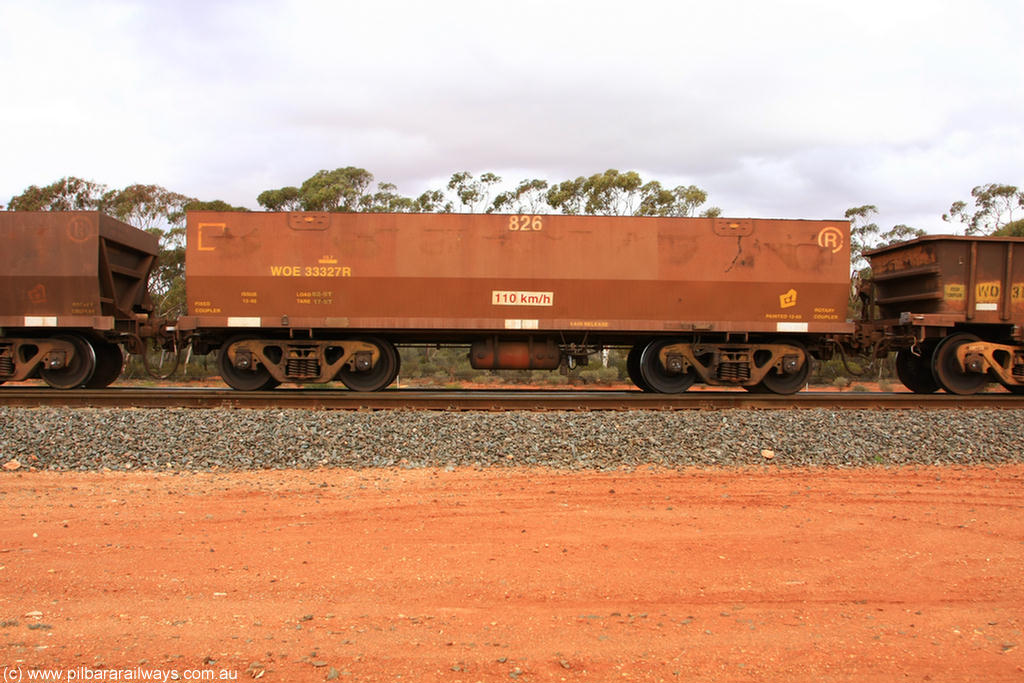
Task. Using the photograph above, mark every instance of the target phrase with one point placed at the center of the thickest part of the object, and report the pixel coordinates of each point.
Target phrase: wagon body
(420, 275)
(946, 280)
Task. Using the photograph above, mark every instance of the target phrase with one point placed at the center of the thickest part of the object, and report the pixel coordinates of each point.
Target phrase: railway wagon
(954, 309)
(317, 297)
(73, 287)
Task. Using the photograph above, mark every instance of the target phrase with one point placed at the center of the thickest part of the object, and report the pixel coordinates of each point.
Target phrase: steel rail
(490, 400)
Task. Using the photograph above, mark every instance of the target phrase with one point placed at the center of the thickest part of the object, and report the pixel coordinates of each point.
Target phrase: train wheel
(79, 371)
(255, 378)
(656, 377)
(633, 368)
(109, 361)
(380, 375)
(947, 371)
(789, 383)
(1014, 388)
(916, 371)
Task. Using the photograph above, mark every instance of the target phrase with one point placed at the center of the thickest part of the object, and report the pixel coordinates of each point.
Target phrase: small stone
(767, 454)
(11, 465)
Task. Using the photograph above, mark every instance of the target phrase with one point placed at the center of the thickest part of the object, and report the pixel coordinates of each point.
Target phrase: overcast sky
(776, 108)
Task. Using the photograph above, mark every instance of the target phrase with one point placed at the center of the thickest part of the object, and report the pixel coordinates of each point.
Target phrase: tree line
(612, 193)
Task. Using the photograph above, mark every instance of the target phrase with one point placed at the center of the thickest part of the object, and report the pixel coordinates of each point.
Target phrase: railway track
(497, 400)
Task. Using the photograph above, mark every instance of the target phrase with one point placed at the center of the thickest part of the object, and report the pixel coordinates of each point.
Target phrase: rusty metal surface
(498, 272)
(948, 280)
(71, 269)
(504, 400)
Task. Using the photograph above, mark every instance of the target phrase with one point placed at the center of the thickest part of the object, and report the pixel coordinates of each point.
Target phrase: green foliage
(167, 281)
(146, 206)
(865, 235)
(66, 194)
(567, 196)
(281, 199)
(680, 201)
(1013, 229)
(614, 193)
(215, 205)
(386, 200)
(994, 205)
(528, 197)
(431, 201)
(342, 189)
(473, 193)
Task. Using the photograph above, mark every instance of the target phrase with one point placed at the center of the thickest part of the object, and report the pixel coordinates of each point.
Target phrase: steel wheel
(633, 368)
(76, 373)
(255, 378)
(1014, 388)
(782, 383)
(654, 375)
(947, 371)
(916, 371)
(109, 361)
(380, 375)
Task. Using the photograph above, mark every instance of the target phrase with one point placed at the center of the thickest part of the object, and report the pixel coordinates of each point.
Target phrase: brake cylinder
(494, 354)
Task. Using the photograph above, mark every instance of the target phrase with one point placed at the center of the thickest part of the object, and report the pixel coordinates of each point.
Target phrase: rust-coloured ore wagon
(316, 297)
(73, 287)
(953, 307)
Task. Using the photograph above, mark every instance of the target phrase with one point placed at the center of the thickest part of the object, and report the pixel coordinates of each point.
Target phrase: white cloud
(785, 108)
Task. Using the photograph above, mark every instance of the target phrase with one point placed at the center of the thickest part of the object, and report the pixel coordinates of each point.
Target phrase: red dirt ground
(519, 574)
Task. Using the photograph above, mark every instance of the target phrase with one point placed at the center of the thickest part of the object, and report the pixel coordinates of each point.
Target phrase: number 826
(524, 223)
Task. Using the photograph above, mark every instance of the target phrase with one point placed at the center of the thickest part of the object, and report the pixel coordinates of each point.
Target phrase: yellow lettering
(525, 223)
(285, 271)
(987, 292)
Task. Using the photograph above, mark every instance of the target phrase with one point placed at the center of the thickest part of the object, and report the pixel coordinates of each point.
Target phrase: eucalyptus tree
(994, 207)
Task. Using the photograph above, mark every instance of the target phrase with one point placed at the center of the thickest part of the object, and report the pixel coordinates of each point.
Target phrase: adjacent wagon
(73, 290)
(953, 308)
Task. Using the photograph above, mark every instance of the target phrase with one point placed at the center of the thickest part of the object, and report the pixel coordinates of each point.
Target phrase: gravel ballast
(190, 439)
